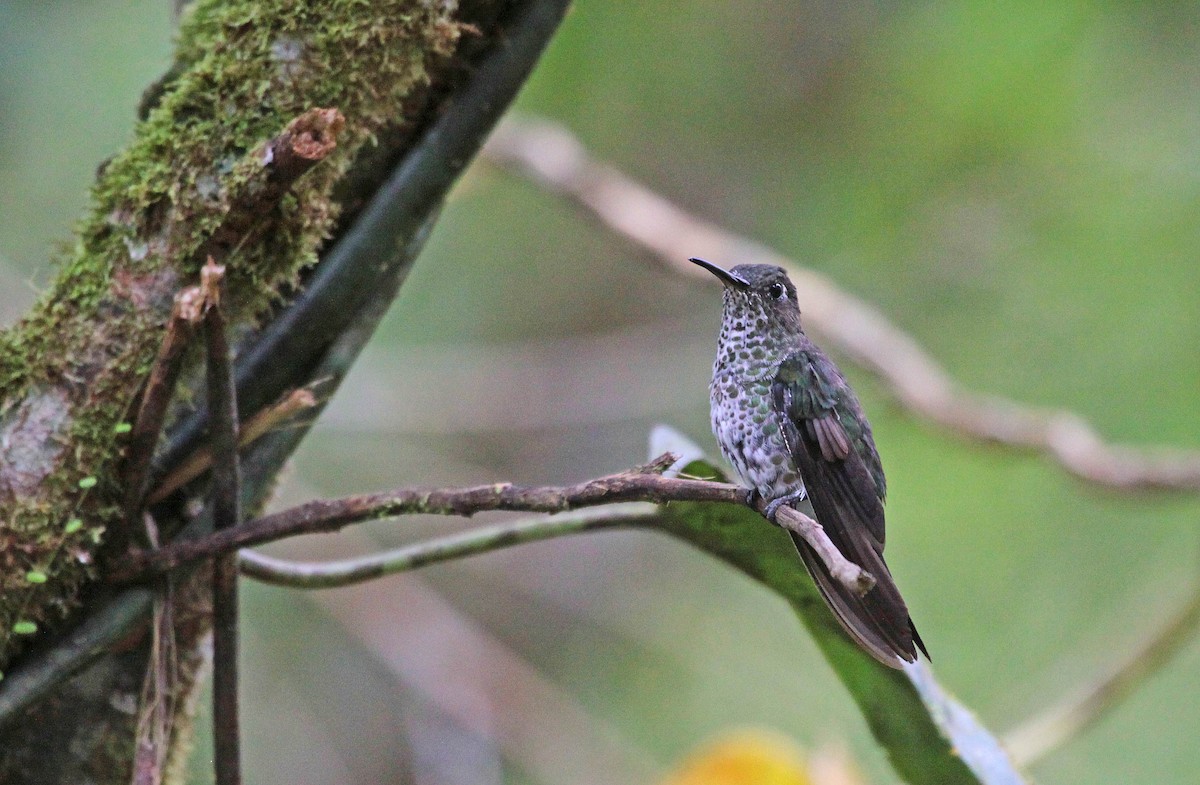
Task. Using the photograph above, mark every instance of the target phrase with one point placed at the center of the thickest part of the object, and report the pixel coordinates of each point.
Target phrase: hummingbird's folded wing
(830, 446)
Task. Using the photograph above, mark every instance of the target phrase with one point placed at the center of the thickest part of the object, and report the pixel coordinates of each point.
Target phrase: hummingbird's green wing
(830, 445)
(824, 426)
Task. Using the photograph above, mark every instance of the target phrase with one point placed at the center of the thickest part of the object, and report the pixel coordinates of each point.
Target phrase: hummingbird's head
(759, 297)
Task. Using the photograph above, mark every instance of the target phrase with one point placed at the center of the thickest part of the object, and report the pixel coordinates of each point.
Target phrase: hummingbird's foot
(752, 498)
(774, 505)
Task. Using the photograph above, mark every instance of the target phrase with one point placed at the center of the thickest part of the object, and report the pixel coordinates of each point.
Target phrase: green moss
(245, 69)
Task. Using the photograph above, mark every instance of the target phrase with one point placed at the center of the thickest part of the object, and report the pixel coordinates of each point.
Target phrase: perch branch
(327, 515)
(551, 157)
(643, 484)
(1035, 738)
(845, 572)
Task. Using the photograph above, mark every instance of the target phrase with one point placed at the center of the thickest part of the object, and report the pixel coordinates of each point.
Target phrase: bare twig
(347, 572)
(226, 507)
(307, 140)
(552, 157)
(251, 430)
(1035, 738)
(327, 575)
(185, 315)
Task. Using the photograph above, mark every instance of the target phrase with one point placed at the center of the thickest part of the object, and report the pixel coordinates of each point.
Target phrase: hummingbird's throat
(749, 346)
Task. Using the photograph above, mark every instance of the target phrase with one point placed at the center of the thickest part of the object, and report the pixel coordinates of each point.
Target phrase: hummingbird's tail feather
(917, 640)
(877, 621)
(847, 499)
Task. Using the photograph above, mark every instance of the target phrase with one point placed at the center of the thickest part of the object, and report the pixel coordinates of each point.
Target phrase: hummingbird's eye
(777, 291)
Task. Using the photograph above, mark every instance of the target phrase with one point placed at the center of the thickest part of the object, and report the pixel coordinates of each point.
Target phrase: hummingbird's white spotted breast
(748, 433)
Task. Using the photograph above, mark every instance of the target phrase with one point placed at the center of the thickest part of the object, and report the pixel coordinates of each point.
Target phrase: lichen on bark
(71, 370)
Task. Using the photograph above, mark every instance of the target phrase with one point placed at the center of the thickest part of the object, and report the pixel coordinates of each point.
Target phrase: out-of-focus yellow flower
(751, 757)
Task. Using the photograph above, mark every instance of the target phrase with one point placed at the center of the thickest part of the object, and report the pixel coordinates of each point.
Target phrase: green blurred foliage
(1015, 183)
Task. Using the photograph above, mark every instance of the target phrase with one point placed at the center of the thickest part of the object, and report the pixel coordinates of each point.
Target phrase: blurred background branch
(549, 155)
(1063, 721)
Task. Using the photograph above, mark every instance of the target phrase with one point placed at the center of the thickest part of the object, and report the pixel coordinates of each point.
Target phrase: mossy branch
(201, 177)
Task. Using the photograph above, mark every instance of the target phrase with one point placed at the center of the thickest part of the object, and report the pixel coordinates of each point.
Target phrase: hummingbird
(786, 419)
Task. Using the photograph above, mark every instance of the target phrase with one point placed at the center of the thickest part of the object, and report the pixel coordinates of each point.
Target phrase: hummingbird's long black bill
(727, 278)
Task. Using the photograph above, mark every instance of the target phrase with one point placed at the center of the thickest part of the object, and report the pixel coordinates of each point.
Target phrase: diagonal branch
(550, 156)
(1037, 737)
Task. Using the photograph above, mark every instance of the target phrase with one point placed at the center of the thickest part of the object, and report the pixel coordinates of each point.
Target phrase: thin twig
(186, 313)
(226, 507)
(306, 141)
(157, 710)
(250, 431)
(1035, 738)
(346, 572)
(550, 156)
